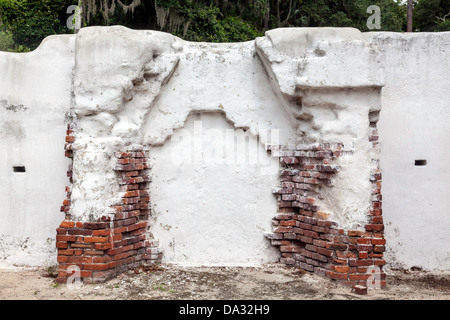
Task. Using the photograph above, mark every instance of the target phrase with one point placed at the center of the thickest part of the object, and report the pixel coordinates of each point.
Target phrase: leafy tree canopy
(25, 23)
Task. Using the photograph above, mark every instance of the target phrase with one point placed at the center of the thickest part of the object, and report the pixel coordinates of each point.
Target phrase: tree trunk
(267, 16)
(409, 16)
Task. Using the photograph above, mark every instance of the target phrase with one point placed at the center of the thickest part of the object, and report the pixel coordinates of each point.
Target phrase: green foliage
(238, 30)
(432, 15)
(6, 41)
(443, 26)
(207, 24)
(204, 21)
(30, 21)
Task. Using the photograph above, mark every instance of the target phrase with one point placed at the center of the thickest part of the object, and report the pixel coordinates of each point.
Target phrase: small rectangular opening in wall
(420, 163)
(19, 169)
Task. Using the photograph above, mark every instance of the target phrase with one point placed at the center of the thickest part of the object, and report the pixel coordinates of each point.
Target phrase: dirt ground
(272, 282)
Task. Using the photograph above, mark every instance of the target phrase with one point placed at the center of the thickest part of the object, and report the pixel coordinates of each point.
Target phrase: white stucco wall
(210, 206)
(35, 98)
(414, 125)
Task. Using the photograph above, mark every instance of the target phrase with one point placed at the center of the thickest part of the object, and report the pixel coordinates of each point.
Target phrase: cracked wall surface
(138, 89)
(124, 90)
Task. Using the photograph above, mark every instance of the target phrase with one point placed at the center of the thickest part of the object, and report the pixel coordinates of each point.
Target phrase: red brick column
(115, 242)
(305, 236)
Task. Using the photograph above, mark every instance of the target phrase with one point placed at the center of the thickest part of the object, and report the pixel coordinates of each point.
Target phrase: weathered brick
(378, 241)
(364, 247)
(311, 234)
(95, 239)
(106, 232)
(97, 266)
(306, 266)
(324, 251)
(274, 236)
(67, 252)
(359, 289)
(79, 259)
(79, 232)
(319, 257)
(337, 276)
(320, 243)
(306, 239)
(360, 262)
(65, 238)
(96, 225)
(374, 227)
(363, 255)
(283, 229)
(337, 246)
(289, 223)
(341, 269)
(61, 231)
(103, 246)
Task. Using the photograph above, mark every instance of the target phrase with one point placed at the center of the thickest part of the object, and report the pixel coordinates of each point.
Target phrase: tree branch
(285, 22)
(444, 17)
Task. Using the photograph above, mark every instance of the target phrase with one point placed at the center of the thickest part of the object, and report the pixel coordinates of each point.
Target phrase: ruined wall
(197, 109)
(225, 154)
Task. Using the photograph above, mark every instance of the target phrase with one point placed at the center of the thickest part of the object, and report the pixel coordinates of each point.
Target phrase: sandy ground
(272, 282)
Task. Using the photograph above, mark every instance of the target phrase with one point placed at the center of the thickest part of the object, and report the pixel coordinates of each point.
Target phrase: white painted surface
(35, 97)
(141, 102)
(414, 124)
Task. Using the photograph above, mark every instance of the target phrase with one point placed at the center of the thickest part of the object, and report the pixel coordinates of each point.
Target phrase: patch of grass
(51, 271)
(162, 287)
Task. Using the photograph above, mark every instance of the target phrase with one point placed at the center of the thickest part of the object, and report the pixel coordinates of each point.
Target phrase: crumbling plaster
(127, 88)
(134, 88)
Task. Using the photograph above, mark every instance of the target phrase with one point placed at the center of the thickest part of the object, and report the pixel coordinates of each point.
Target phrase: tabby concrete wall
(35, 100)
(414, 125)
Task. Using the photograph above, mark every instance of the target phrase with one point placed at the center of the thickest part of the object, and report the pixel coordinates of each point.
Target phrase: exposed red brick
(374, 227)
(359, 289)
(378, 241)
(96, 266)
(337, 276)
